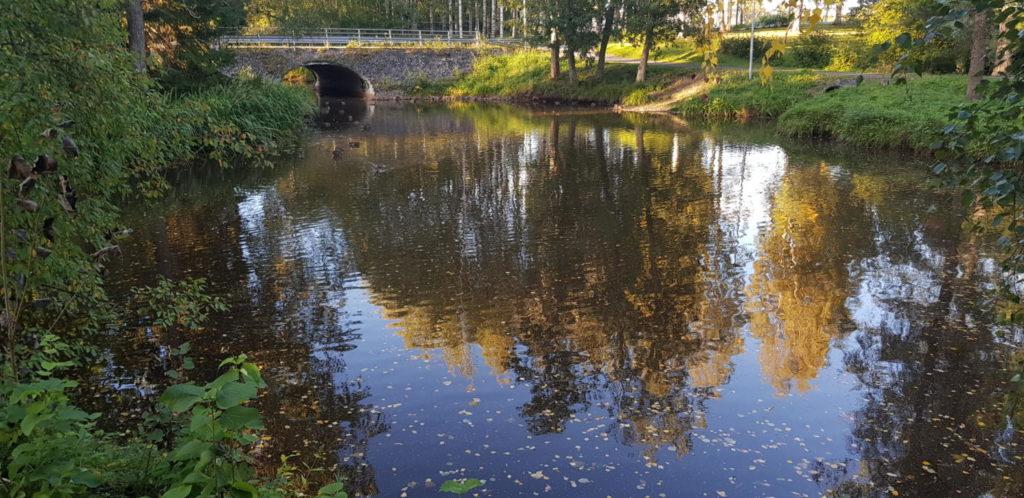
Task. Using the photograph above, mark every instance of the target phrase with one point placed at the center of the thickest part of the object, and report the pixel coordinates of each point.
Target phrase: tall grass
(244, 121)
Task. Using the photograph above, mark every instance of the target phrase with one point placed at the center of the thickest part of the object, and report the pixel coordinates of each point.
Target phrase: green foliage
(884, 20)
(982, 150)
(169, 304)
(178, 35)
(774, 21)
(812, 50)
(44, 441)
(210, 451)
(740, 46)
(247, 121)
(81, 131)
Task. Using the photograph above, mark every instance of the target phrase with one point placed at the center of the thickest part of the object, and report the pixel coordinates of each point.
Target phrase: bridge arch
(338, 81)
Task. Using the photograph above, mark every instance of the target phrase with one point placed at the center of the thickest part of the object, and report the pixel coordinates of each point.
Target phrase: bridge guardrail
(337, 37)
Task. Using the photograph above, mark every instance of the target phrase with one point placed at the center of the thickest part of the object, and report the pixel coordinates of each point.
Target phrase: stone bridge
(356, 72)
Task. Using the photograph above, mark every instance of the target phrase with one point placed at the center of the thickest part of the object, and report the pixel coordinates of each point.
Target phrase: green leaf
(333, 490)
(181, 397)
(461, 486)
(178, 492)
(188, 364)
(29, 423)
(245, 488)
(239, 417)
(230, 376)
(189, 450)
(253, 373)
(235, 394)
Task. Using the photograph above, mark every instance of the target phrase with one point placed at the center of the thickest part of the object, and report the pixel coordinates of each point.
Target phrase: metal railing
(341, 37)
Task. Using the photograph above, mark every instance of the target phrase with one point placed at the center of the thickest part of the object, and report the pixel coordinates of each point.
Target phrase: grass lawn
(524, 74)
(874, 114)
(682, 51)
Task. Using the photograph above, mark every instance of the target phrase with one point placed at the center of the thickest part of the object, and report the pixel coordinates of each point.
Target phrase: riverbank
(523, 76)
(873, 113)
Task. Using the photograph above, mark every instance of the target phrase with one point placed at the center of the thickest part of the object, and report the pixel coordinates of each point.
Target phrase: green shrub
(774, 21)
(740, 46)
(812, 49)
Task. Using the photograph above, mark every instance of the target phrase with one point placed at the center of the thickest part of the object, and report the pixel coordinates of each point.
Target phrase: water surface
(584, 304)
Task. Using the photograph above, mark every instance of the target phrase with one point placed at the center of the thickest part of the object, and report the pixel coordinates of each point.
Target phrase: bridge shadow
(337, 81)
(342, 113)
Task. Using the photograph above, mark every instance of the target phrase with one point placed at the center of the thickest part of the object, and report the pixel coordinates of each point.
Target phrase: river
(574, 303)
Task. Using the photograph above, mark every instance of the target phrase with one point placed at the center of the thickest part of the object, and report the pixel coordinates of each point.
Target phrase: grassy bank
(524, 75)
(243, 121)
(873, 114)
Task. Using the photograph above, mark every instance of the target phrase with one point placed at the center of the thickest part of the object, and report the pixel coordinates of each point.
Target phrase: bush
(812, 50)
(850, 54)
(774, 21)
(740, 46)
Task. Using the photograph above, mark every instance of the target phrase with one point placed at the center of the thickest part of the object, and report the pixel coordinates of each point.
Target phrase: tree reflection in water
(614, 270)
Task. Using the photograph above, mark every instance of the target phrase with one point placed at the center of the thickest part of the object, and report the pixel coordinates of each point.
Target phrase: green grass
(524, 75)
(737, 98)
(679, 51)
(874, 114)
(839, 31)
(245, 121)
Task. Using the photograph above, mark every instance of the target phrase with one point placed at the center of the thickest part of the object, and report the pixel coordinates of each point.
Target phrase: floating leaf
(461, 486)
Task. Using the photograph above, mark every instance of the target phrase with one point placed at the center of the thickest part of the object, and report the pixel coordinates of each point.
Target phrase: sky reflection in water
(588, 304)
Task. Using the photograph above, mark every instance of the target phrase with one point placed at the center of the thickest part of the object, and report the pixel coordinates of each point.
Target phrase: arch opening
(337, 81)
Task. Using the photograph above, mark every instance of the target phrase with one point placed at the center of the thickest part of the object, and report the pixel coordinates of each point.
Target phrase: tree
(568, 23)
(137, 34)
(650, 22)
(979, 46)
(179, 33)
(607, 29)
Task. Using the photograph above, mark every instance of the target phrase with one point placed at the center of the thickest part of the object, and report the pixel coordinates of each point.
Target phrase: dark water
(571, 304)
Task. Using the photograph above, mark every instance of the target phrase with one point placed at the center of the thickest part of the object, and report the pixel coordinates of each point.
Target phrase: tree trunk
(1004, 58)
(137, 34)
(979, 44)
(641, 71)
(606, 36)
(571, 56)
(526, 27)
(460, 18)
(796, 28)
(555, 69)
(839, 13)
